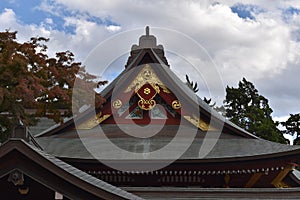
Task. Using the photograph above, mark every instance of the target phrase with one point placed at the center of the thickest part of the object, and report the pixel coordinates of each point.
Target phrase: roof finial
(147, 30)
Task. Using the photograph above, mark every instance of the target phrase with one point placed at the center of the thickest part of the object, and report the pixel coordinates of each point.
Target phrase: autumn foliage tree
(29, 79)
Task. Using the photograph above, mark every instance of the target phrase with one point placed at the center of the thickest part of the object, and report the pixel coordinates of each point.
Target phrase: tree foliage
(292, 126)
(193, 86)
(248, 109)
(209, 102)
(31, 79)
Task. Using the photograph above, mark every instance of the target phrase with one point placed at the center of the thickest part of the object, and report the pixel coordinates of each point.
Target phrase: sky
(258, 40)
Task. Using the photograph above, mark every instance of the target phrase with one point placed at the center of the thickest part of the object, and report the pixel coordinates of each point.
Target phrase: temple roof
(227, 146)
(147, 41)
(231, 141)
(15, 154)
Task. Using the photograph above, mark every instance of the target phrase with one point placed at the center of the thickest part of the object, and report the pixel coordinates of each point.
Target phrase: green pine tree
(292, 126)
(248, 109)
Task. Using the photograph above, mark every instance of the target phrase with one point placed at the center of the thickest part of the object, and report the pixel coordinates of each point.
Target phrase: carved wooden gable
(145, 99)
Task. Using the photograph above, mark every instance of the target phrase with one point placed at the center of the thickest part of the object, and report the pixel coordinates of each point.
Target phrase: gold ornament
(199, 123)
(147, 91)
(176, 104)
(147, 75)
(117, 104)
(94, 121)
(146, 104)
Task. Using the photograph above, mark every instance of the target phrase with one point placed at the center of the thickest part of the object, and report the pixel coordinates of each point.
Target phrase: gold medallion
(117, 104)
(176, 104)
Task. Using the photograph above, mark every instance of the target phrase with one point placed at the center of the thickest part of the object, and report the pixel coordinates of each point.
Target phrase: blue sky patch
(289, 12)
(30, 12)
(292, 11)
(25, 11)
(287, 16)
(246, 11)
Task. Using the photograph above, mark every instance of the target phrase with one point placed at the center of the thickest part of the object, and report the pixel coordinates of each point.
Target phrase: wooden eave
(65, 179)
(293, 156)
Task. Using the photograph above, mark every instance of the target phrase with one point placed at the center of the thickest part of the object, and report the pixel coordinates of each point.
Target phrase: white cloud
(281, 118)
(113, 28)
(252, 47)
(49, 21)
(262, 50)
(7, 18)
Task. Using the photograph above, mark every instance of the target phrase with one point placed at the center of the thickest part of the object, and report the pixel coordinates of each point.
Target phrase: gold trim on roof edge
(196, 121)
(94, 121)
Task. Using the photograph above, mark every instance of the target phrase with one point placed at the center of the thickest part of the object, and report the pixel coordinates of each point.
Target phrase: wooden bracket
(277, 182)
(253, 179)
(227, 180)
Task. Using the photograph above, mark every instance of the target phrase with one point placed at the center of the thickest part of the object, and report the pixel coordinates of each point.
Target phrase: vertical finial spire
(147, 30)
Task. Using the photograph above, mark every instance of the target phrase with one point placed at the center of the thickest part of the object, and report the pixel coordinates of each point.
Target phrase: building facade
(154, 138)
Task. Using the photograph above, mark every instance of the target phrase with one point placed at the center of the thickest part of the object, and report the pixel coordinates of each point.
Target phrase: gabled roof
(166, 74)
(148, 52)
(232, 142)
(65, 179)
